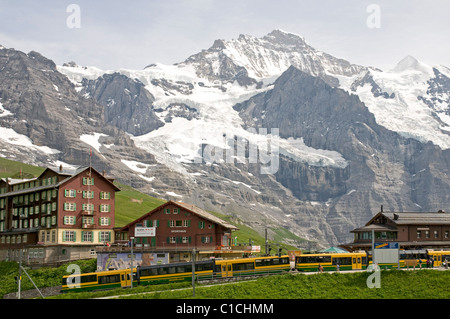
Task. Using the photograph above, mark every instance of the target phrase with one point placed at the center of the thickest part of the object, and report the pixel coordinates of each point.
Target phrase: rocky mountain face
(126, 103)
(45, 121)
(41, 102)
(383, 166)
(267, 129)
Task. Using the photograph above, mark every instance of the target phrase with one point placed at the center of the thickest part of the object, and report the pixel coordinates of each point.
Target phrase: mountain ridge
(342, 148)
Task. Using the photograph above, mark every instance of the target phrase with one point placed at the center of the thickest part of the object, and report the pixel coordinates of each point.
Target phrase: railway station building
(176, 229)
(413, 231)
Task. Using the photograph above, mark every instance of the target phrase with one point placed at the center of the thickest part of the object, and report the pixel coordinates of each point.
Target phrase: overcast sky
(132, 34)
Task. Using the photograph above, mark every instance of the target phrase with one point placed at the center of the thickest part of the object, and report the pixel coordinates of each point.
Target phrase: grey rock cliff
(126, 103)
(383, 168)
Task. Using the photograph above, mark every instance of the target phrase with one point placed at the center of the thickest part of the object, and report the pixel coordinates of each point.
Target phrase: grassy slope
(128, 210)
(11, 169)
(394, 285)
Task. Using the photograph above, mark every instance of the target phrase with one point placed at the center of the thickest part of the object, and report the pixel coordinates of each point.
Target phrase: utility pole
(267, 242)
(373, 247)
(193, 272)
(20, 274)
(131, 273)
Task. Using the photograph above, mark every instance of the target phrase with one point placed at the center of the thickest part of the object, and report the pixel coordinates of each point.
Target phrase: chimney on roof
(381, 208)
(395, 216)
(60, 167)
(104, 173)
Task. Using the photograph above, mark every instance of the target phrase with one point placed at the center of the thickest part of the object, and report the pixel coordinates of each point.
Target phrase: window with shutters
(69, 235)
(88, 194)
(70, 193)
(88, 207)
(105, 195)
(71, 207)
(207, 239)
(105, 208)
(69, 220)
(151, 223)
(104, 236)
(88, 181)
(88, 220)
(87, 236)
(105, 221)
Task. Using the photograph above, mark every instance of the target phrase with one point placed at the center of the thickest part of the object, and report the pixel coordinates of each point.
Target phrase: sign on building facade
(145, 232)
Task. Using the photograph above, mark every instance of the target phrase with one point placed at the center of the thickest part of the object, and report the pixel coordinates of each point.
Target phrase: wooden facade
(180, 227)
(412, 230)
(60, 212)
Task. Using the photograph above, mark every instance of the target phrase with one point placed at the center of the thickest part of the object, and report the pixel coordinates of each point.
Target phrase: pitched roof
(189, 207)
(205, 214)
(413, 218)
(69, 173)
(72, 172)
(418, 218)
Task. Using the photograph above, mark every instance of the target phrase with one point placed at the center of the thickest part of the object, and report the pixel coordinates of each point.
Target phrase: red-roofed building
(59, 216)
(179, 228)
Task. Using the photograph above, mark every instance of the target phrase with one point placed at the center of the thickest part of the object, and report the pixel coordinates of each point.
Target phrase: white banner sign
(145, 232)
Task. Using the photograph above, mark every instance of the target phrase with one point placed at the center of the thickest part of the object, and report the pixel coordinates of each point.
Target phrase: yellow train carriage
(440, 257)
(167, 273)
(252, 266)
(331, 261)
(97, 280)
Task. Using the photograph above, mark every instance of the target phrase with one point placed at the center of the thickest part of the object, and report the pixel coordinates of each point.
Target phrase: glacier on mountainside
(404, 111)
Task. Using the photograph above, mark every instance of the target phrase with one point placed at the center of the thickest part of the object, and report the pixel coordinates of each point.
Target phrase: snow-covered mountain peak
(266, 57)
(411, 99)
(411, 64)
(286, 38)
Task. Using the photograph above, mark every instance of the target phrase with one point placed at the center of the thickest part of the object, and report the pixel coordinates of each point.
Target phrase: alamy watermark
(259, 147)
(73, 281)
(374, 280)
(374, 19)
(73, 21)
